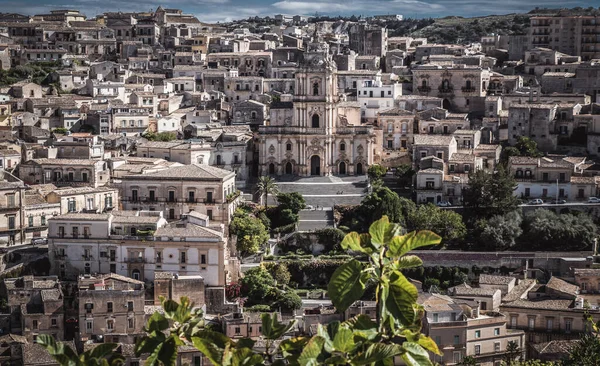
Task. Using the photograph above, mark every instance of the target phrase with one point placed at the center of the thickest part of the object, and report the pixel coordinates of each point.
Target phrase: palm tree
(266, 185)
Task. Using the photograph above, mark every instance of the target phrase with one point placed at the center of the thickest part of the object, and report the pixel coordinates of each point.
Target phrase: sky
(227, 10)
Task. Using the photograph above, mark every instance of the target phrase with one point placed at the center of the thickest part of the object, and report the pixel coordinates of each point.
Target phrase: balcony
(424, 89)
(131, 237)
(87, 257)
(446, 90)
(466, 89)
(135, 260)
(355, 130)
(5, 208)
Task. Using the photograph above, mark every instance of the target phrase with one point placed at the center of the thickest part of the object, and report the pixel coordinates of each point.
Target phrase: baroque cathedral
(315, 132)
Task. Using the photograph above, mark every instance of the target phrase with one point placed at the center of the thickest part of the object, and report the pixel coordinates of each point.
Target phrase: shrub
(260, 308)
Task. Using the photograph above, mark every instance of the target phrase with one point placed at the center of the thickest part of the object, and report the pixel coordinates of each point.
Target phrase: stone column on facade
(351, 163)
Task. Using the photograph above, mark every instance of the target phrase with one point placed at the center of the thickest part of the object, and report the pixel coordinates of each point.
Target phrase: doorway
(315, 165)
(288, 168)
(359, 169)
(342, 168)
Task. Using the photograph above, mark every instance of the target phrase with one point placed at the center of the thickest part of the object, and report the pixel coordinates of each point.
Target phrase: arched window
(219, 160)
(342, 147)
(468, 84)
(316, 88)
(253, 115)
(445, 84)
(315, 121)
(424, 83)
(288, 147)
(390, 127)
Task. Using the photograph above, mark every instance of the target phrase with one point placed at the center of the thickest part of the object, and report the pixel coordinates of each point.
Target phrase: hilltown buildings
(152, 129)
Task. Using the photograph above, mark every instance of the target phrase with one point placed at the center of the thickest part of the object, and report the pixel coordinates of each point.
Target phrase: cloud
(226, 10)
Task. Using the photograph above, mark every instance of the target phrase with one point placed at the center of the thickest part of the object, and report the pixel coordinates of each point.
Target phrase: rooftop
(193, 171)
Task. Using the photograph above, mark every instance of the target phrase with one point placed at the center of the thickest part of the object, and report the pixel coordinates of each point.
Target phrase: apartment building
(11, 205)
(137, 245)
(111, 308)
(550, 177)
(179, 190)
(373, 97)
(570, 34)
(548, 312)
(460, 329)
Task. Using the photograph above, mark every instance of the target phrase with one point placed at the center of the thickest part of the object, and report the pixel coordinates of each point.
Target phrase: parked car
(39, 241)
(536, 201)
(558, 202)
(593, 200)
(444, 204)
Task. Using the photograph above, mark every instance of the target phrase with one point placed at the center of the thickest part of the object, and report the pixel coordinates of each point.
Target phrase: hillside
(465, 30)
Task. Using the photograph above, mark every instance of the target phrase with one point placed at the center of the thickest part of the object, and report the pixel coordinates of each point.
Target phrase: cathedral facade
(315, 133)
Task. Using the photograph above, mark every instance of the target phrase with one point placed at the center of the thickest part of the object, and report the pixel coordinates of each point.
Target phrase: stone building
(463, 88)
(534, 120)
(316, 134)
(36, 305)
(367, 39)
(65, 172)
(178, 190)
(84, 199)
(111, 308)
(11, 204)
(460, 329)
(249, 112)
(398, 128)
(173, 286)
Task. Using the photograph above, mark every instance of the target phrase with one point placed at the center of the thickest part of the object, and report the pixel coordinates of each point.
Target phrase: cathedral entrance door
(342, 169)
(359, 169)
(271, 168)
(315, 165)
(288, 168)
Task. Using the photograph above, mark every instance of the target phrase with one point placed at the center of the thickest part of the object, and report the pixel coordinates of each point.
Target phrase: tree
(405, 174)
(468, 361)
(292, 201)
(513, 352)
(376, 172)
(282, 274)
(383, 202)
(287, 301)
(161, 136)
(356, 341)
(257, 285)
(585, 352)
(501, 232)
(527, 147)
(266, 185)
(446, 223)
(507, 153)
(250, 232)
(490, 194)
(545, 230)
